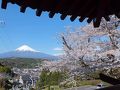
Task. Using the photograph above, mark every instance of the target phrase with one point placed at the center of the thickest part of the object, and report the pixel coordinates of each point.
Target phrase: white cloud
(58, 54)
(58, 49)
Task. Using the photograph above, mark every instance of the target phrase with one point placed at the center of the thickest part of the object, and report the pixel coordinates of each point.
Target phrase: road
(83, 88)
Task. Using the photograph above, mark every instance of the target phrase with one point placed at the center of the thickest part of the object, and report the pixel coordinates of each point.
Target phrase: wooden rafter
(93, 10)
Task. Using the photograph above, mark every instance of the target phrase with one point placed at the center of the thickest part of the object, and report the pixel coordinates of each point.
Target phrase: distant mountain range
(27, 52)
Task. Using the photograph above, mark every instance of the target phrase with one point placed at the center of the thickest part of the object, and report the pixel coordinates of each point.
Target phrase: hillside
(21, 62)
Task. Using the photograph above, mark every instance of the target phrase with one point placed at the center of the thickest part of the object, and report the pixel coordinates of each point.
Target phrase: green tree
(5, 69)
(48, 79)
(44, 79)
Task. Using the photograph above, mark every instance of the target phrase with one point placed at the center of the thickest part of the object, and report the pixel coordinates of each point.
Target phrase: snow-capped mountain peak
(27, 52)
(26, 48)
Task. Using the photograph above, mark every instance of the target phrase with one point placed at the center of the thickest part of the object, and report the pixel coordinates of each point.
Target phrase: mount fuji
(25, 51)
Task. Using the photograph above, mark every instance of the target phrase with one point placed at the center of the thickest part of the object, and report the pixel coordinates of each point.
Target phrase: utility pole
(75, 74)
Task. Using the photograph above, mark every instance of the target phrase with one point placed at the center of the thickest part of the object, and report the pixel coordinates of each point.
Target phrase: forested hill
(21, 62)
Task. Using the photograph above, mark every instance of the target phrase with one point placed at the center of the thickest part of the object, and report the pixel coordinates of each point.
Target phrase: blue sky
(40, 33)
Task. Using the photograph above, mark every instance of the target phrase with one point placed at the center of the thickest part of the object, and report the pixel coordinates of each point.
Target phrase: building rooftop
(92, 10)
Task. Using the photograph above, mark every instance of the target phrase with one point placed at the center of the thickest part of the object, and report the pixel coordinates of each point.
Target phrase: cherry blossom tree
(77, 45)
(88, 43)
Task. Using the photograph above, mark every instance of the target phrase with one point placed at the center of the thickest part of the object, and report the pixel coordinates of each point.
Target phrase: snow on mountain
(27, 52)
(26, 48)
